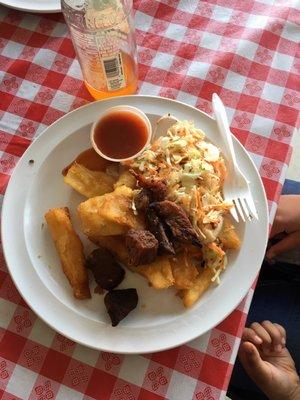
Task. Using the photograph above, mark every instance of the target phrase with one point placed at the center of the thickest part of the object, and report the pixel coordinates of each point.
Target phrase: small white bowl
(129, 109)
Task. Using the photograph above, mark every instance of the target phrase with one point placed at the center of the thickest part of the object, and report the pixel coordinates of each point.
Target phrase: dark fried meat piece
(119, 303)
(142, 247)
(142, 201)
(156, 189)
(156, 226)
(177, 221)
(107, 272)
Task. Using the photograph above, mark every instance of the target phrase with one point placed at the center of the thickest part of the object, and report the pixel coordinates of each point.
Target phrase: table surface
(243, 50)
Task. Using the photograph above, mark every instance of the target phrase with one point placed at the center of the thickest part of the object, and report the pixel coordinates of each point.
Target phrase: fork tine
(251, 206)
(239, 209)
(234, 213)
(245, 208)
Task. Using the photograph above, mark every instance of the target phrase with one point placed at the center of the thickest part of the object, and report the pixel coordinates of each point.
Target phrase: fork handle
(223, 125)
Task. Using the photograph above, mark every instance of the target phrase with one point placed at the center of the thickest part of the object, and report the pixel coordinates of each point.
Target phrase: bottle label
(114, 71)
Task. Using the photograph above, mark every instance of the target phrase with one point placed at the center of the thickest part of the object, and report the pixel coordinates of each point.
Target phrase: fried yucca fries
(89, 183)
(110, 214)
(116, 245)
(70, 250)
(185, 271)
(126, 179)
(159, 273)
(201, 284)
(228, 236)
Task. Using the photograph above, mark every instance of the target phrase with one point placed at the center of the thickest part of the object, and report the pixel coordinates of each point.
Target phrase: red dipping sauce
(120, 135)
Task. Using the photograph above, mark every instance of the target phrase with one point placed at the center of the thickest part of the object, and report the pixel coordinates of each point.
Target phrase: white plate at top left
(160, 320)
(36, 6)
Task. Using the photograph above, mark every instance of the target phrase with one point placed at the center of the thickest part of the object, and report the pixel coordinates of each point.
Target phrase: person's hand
(287, 220)
(268, 362)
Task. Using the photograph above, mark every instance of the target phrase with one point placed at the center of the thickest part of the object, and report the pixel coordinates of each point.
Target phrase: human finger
(283, 333)
(275, 334)
(262, 333)
(252, 362)
(277, 228)
(249, 335)
(289, 242)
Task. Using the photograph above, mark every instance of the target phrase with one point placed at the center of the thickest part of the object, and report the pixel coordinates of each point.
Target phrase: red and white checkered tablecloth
(245, 51)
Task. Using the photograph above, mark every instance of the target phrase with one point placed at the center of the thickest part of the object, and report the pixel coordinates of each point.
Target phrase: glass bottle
(103, 35)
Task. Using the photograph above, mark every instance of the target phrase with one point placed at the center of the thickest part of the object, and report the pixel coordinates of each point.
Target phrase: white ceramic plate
(160, 321)
(37, 6)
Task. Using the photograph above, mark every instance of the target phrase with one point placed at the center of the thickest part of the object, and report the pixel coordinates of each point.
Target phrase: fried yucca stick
(70, 250)
(89, 183)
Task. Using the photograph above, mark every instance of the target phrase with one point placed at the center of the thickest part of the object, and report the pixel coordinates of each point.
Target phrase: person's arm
(268, 362)
(287, 220)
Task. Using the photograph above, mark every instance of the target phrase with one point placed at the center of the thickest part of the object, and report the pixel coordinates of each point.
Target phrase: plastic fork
(236, 187)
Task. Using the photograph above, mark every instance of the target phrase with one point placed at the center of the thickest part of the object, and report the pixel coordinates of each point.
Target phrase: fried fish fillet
(70, 250)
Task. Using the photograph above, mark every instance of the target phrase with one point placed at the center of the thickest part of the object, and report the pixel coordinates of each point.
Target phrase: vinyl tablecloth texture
(188, 49)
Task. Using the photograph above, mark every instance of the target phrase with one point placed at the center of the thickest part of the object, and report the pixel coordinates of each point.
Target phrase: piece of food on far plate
(108, 273)
(70, 250)
(89, 183)
(110, 214)
(119, 303)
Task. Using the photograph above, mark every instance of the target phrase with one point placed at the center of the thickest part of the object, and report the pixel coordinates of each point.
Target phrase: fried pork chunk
(176, 220)
(142, 247)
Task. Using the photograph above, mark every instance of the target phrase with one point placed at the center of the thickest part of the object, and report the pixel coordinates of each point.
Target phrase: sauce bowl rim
(130, 109)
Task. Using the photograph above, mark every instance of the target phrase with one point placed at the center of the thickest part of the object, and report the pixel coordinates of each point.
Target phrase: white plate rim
(33, 6)
(26, 293)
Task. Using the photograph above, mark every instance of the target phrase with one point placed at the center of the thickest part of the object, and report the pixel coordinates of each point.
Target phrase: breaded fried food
(185, 270)
(228, 236)
(116, 245)
(201, 284)
(89, 183)
(158, 273)
(70, 250)
(110, 214)
(126, 179)
(215, 260)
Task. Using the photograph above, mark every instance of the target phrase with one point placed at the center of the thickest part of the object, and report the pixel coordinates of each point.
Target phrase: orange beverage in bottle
(104, 39)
